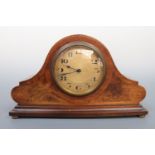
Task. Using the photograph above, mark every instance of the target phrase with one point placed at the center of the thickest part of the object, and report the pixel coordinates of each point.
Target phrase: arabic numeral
(70, 54)
(63, 78)
(64, 61)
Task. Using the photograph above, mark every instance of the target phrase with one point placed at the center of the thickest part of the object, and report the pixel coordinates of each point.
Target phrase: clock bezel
(73, 44)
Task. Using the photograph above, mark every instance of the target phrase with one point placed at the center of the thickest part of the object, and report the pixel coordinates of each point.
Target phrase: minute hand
(78, 70)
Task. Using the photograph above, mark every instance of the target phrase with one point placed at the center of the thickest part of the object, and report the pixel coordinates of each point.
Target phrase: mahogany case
(41, 97)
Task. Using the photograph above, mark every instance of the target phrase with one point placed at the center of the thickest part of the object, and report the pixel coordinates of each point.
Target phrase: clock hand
(70, 67)
(77, 70)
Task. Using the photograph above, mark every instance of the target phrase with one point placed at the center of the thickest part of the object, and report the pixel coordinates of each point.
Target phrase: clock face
(78, 68)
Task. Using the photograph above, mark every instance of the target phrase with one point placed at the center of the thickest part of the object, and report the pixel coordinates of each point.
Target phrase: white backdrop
(24, 49)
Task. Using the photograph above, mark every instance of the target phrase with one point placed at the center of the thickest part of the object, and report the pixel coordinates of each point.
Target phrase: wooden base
(77, 112)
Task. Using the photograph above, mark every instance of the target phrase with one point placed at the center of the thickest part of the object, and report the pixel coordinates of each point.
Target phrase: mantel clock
(78, 79)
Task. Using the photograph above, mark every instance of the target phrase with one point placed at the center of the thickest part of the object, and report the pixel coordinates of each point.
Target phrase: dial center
(78, 70)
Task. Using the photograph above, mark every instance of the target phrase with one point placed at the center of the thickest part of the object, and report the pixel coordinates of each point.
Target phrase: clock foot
(15, 117)
(141, 116)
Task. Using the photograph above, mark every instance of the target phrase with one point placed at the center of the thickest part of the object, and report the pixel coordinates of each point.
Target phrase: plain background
(24, 49)
(77, 13)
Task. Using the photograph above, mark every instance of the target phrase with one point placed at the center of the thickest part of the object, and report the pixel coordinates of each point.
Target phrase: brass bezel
(70, 45)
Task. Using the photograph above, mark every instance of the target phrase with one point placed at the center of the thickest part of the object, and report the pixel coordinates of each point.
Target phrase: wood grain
(41, 90)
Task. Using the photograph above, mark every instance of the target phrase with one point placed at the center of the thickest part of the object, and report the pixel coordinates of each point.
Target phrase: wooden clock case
(41, 97)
